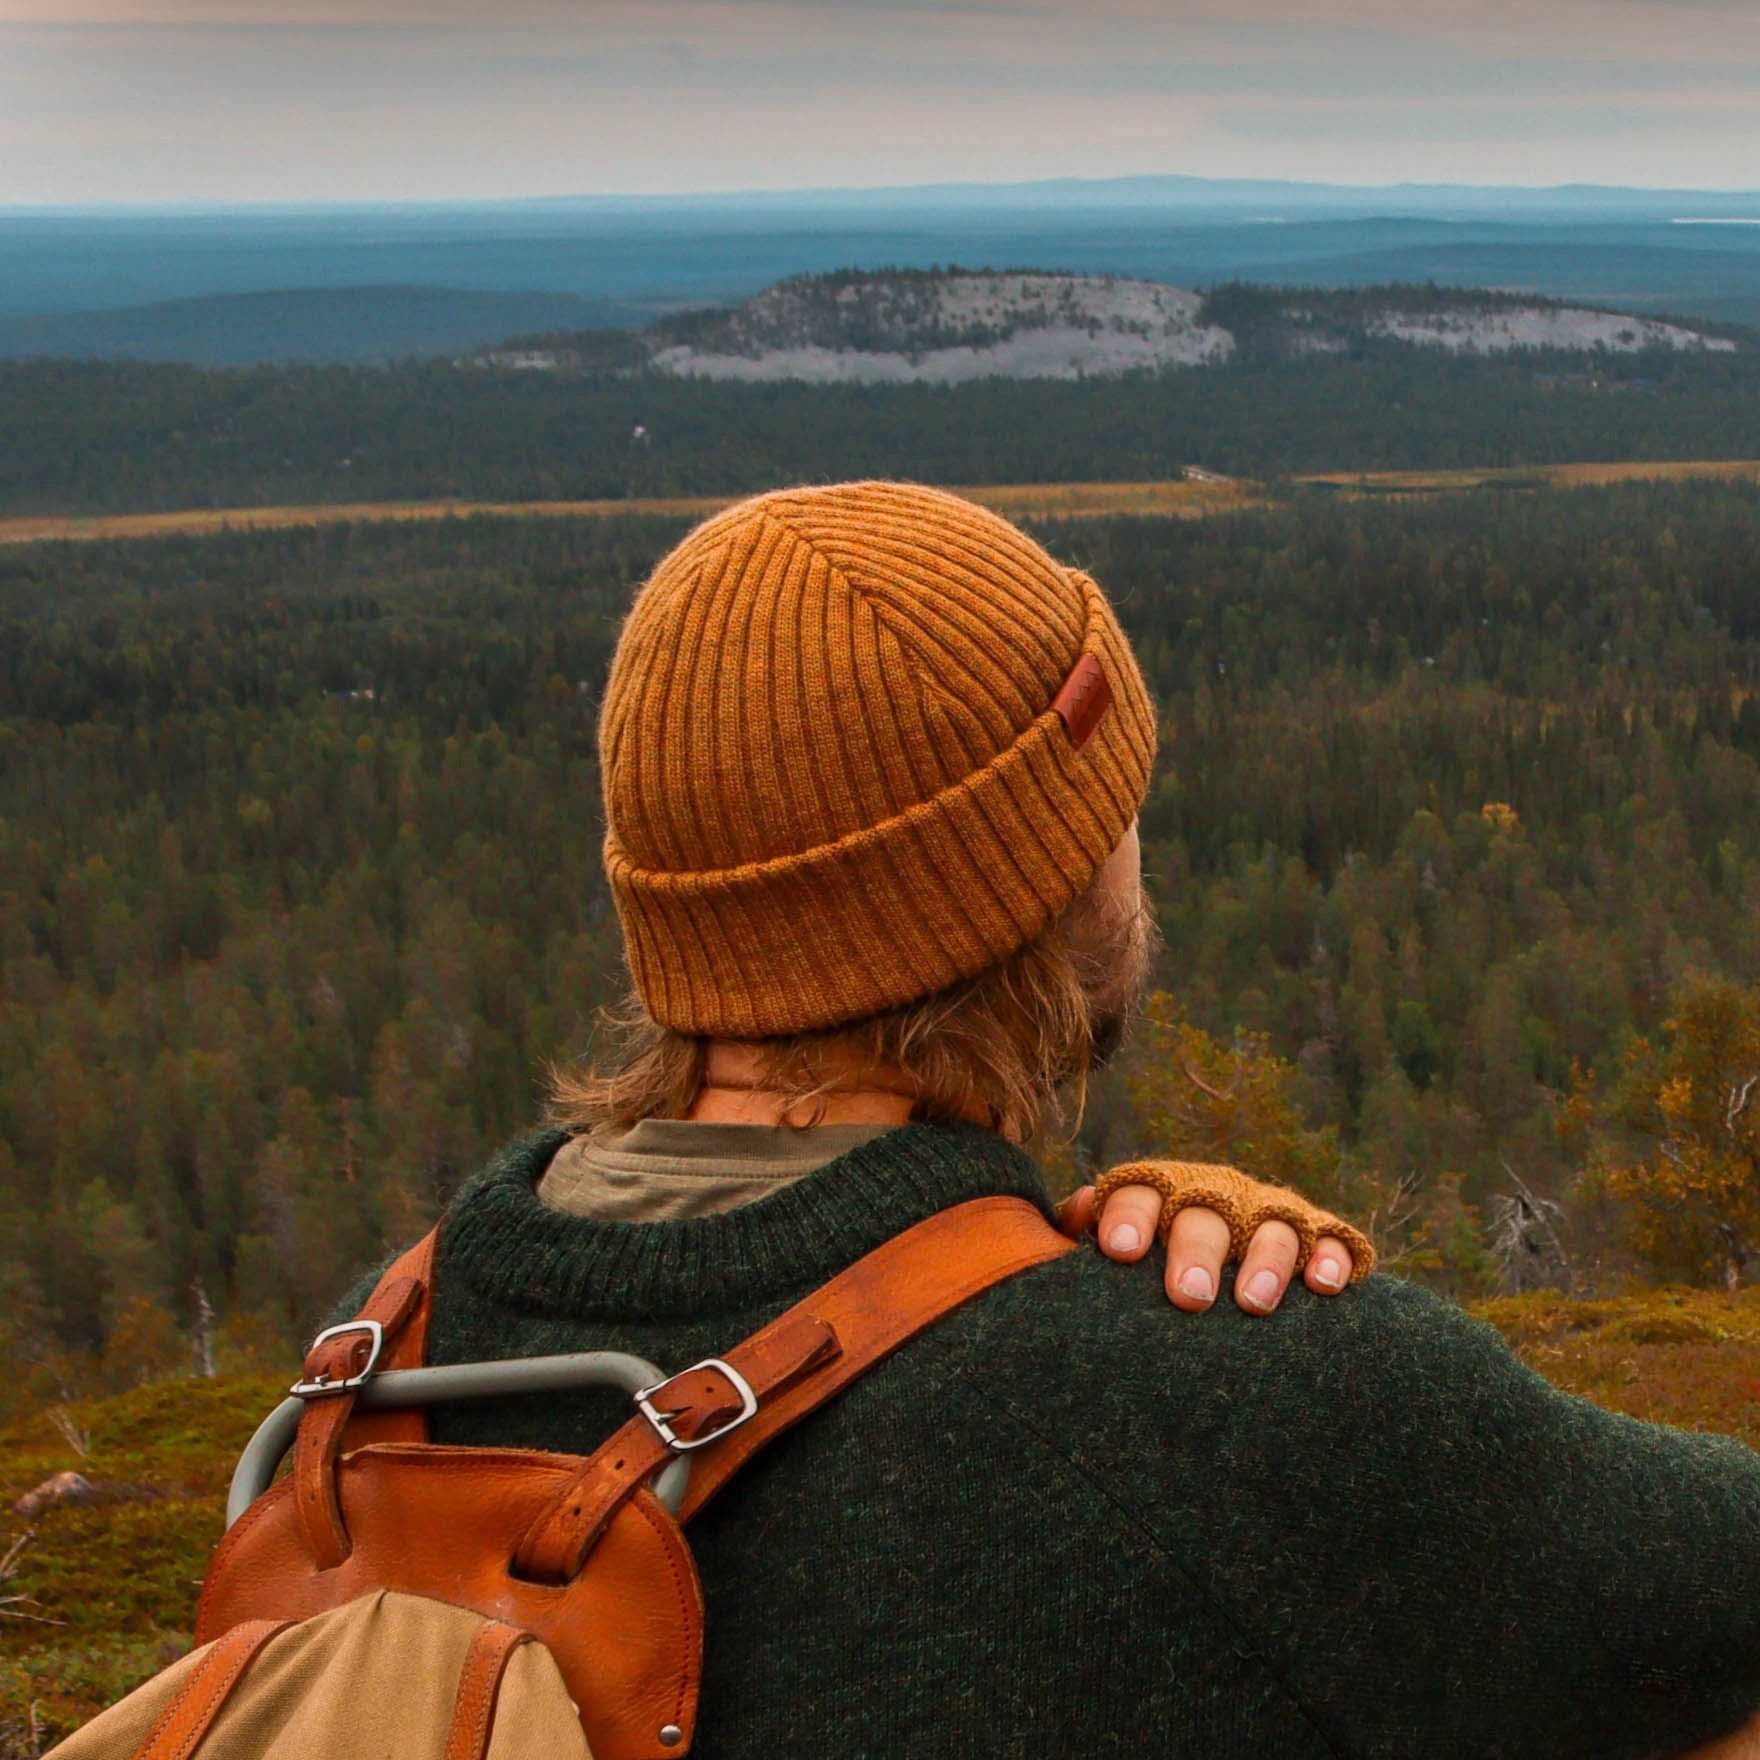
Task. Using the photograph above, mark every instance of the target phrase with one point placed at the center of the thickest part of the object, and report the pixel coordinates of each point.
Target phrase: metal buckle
(662, 1421)
(322, 1384)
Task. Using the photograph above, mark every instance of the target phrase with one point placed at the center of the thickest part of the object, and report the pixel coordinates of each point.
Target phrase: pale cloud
(121, 99)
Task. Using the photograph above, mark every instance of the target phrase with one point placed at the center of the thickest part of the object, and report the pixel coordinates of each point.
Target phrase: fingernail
(1261, 1289)
(1124, 1238)
(1328, 1273)
(1198, 1283)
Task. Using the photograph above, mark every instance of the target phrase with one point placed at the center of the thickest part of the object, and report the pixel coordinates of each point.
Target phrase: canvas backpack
(394, 1597)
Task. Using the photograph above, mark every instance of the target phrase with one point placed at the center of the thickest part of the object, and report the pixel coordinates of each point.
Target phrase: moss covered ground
(119, 1575)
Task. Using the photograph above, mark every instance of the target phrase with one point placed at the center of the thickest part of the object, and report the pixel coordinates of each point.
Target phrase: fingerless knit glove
(1241, 1202)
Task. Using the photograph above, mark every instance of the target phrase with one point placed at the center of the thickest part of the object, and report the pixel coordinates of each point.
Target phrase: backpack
(391, 1596)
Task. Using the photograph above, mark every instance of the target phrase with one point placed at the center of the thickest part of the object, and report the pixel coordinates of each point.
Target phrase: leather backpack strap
(407, 1348)
(730, 1407)
(390, 1332)
(479, 1681)
(187, 1719)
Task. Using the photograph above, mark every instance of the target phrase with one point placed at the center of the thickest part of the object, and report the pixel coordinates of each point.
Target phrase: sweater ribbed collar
(513, 1249)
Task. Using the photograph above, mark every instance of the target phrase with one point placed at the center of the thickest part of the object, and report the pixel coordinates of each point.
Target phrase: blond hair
(1017, 1039)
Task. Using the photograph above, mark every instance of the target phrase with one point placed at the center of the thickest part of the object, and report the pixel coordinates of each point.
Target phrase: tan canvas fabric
(375, 1680)
(668, 1169)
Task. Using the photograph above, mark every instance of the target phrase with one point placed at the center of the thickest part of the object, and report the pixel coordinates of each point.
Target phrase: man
(872, 761)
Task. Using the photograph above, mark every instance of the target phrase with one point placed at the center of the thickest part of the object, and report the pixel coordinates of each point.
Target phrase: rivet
(671, 1736)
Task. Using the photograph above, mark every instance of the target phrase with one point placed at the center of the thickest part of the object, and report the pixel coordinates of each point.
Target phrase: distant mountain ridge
(946, 326)
(106, 284)
(1160, 189)
(338, 325)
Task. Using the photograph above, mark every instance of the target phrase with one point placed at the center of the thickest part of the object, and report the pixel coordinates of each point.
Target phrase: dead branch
(1223, 1097)
(203, 1330)
(1385, 1221)
(9, 1561)
(1739, 1096)
(73, 1434)
(1525, 1237)
(15, 1606)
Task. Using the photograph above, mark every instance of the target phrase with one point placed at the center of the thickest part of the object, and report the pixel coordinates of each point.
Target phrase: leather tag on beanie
(1084, 699)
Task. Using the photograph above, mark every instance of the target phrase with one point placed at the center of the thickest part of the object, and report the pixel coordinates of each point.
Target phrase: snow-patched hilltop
(941, 326)
(1567, 327)
(946, 327)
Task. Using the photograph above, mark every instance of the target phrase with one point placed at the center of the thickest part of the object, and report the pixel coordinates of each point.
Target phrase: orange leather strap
(187, 1718)
(695, 1404)
(407, 1348)
(792, 1366)
(479, 1681)
(399, 1305)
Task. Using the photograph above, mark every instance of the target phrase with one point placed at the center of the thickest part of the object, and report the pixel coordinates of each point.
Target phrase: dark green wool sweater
(1069, 1520)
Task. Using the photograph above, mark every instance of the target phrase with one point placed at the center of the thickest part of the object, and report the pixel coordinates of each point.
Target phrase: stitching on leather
(1044, 1247)
(433, 1457)
(322, 1438)
(229, 1663)
(464, 1740)
(233, 1539)
(686, 1603)
(247, 1654)
(169, 1715)
(395, 1301)
(482, 1677)
(440, 1457)
(212, 1695)
(493, 1663)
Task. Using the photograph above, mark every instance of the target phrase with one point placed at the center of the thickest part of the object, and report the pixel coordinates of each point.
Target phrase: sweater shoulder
(1382, 1493)
(1107, 1333)
(1385, 1381)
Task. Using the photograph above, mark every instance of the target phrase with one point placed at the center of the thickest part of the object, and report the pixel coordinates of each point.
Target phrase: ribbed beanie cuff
(940, 890)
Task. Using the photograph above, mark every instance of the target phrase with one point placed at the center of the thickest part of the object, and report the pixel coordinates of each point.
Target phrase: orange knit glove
(1244, 1204)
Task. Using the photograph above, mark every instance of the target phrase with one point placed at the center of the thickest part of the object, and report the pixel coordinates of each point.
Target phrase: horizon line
(1432, 188)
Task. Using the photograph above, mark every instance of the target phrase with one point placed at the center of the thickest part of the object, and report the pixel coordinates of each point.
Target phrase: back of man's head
(862, 746)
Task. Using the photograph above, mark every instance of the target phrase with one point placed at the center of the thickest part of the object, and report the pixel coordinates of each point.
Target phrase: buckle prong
(321, 1383)
(662, 1421)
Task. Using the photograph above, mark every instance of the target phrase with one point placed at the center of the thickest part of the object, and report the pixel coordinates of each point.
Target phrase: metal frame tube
(421, 1387)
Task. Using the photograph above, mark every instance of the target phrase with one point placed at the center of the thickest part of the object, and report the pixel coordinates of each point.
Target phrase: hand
(1743, 1745)
(1198, 1242)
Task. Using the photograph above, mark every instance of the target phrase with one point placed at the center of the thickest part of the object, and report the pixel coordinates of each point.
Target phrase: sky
(119, 101)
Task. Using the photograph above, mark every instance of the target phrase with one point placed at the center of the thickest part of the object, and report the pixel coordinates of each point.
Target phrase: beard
(1115, 948)
(1108, 1037)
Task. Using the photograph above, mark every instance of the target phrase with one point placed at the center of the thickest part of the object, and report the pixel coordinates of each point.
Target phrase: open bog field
(1020, 501)
(1554, 476)
(110, 1585)
(1186, 498)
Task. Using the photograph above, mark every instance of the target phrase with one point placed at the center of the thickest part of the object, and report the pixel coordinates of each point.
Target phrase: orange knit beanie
(859, 742)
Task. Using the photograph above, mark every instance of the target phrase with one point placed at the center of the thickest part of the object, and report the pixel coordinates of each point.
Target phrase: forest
(85, 437)
(1454, 841)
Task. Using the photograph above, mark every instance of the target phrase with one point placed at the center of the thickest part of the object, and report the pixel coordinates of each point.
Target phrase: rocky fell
(945, 326)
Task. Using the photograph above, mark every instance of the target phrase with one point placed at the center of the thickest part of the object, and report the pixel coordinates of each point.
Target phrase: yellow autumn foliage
(1695, 1196)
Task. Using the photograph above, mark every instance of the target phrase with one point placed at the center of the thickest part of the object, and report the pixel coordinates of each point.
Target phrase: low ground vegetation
(112, 1583)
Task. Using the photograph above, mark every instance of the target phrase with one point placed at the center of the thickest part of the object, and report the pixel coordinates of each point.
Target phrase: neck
(734, 1092)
